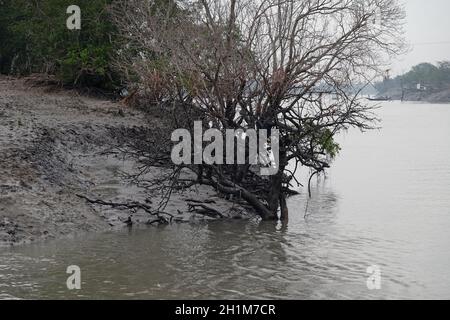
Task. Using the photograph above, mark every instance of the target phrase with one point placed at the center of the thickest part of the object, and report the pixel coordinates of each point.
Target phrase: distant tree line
(430, 77)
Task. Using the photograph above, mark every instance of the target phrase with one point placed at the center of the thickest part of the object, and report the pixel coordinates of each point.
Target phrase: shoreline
(52, 149)
(440, 97)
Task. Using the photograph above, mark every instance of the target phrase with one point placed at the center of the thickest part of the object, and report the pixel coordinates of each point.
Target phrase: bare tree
(262, 64)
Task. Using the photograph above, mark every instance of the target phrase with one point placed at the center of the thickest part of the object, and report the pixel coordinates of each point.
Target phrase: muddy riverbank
(52, 148)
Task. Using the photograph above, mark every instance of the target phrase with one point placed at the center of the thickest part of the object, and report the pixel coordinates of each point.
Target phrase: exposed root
(205, 210)
(162, 217)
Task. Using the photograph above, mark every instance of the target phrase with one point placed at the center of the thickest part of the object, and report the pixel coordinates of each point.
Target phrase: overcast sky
(428, 31)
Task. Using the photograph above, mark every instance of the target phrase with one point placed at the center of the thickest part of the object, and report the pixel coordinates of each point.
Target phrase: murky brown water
(385, 202)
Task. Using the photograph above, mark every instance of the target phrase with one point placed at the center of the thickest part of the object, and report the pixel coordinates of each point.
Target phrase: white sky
(427, 27)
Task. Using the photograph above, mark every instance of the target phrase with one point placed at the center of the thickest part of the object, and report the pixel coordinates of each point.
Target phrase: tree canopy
(264, 64)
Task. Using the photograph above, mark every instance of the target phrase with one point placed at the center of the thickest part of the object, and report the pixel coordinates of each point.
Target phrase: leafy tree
(261, 64)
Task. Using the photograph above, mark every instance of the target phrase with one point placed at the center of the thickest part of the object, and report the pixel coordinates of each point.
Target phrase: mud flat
(52, 148)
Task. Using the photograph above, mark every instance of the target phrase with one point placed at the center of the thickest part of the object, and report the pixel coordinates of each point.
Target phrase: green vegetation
(34, 39)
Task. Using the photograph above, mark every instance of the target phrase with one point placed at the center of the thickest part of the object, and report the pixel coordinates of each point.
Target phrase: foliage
(329, 145)
(35, 38)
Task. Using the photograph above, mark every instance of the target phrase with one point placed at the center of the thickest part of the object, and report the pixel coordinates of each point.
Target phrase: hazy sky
(428, 31)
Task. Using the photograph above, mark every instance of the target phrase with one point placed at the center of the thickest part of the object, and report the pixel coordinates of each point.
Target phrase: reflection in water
(385, 202)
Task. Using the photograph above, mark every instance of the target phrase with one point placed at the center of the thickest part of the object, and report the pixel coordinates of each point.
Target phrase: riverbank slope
(52, 147)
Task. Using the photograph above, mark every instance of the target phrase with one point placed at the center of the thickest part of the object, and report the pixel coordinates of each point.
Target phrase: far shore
(419, 96)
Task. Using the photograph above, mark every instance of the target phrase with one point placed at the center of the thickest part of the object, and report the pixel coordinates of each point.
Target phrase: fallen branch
(130, 206)
(205, 210)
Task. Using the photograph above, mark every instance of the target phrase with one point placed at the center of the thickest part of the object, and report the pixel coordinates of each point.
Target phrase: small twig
(200, 201)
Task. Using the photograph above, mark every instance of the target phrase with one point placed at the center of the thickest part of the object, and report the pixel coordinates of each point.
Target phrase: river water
(384, 203)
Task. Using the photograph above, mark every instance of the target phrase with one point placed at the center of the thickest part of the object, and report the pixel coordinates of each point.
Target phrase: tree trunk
(284, 212)
(276, 198)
